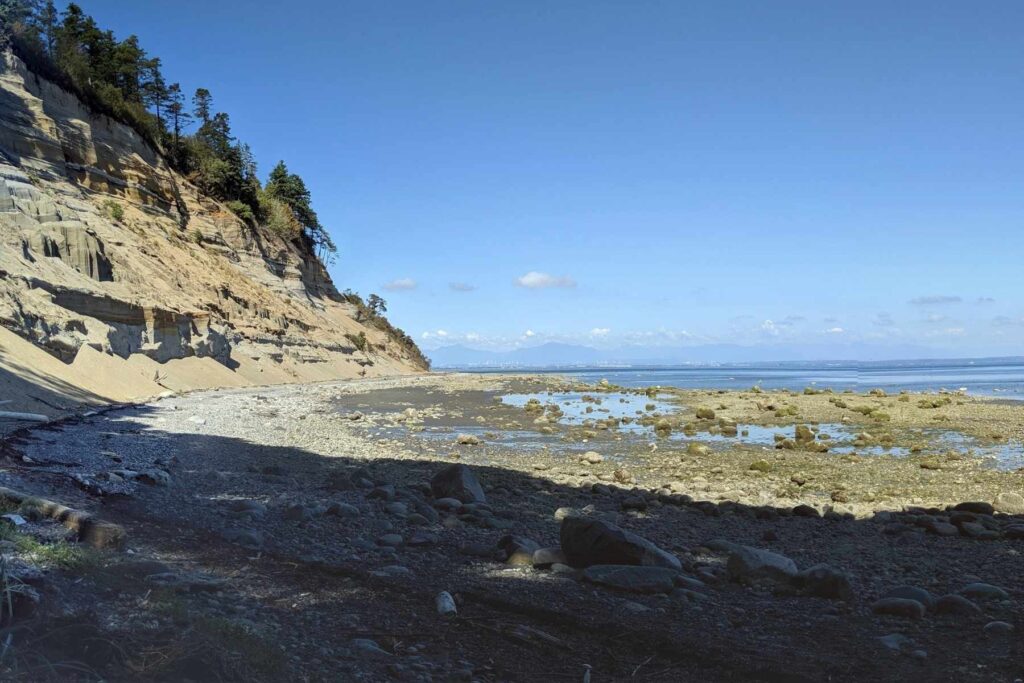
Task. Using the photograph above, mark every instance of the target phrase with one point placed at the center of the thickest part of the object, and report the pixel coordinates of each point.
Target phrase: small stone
(747, 564)
(459, 482)
(705, 414)
(546, 557)
(978, 531)
(390, 540)
(562, 513)
(518, 550)
(1009, 503)
(590, 541)
(977, 507)
(386, 492)
(468, 440)
(899, 607)
(823, 581)
(592, 457)
(397, 509)
(342, 510)
(912, 593)
(897, 642)
(761, 466)
(998, 628)
(805, 511)
(445, 604)
(694, 448)
(956, 605)
(984, 591)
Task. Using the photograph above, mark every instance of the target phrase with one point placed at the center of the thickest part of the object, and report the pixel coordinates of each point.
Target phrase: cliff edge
(119, 279)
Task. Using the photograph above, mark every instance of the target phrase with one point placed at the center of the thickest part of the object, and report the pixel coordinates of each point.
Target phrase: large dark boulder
(459, 482)
(588, 542)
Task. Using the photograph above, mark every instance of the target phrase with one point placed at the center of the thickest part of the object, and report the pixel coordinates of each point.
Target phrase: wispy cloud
(835, 330)
(947, 332)
(1007, 321)
(935, 300)
(600, 332)
(535, 280)
(404, 284)
(985, 300)
(461, 287)
(936, 318)
(883, 320)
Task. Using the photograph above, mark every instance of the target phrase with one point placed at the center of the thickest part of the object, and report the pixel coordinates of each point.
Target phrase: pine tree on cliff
(202, 103)
(291, 189)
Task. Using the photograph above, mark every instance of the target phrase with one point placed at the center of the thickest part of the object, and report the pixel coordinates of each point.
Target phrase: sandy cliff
(119, 279)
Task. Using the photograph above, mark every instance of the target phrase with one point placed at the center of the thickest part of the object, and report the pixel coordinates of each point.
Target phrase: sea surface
(998, 378)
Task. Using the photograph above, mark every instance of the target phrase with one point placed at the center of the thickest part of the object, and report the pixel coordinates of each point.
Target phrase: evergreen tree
(202, 103)
(176, 111)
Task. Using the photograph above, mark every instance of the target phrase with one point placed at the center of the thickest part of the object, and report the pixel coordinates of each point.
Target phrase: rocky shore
(461, 527)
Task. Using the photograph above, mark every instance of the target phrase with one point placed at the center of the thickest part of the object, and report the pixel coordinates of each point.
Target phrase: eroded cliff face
(104, 246)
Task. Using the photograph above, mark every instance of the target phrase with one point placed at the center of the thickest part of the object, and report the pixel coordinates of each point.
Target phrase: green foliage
(358, 340)
(113, 210)
(196, 236)
(117, 78)
(377, 305)
(242, 210)
(278, 218)
(291, 189)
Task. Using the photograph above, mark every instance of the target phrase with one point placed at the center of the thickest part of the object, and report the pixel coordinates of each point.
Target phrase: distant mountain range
(555, 354)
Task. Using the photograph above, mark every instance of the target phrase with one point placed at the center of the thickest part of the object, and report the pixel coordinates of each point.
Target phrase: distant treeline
(119, 79)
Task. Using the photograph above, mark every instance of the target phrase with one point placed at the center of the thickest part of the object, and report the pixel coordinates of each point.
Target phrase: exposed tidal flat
(707, 534)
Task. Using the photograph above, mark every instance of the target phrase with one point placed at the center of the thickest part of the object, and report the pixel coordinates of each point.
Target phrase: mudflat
(304, 533)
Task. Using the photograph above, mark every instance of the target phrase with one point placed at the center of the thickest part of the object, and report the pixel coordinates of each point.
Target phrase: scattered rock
(546, 557)
(977, 507)
(391, 540)
(956, 605)
(823, 581)
(468, 440)
(518, 550)
(705, 414)
(445, 604)
(912, 593)
(899, 607)
(750, 565)
(458, 482)
(1009, 503)
(592, 457)
(342, 510)
(984, 591)
(998, 628)
(588, 542)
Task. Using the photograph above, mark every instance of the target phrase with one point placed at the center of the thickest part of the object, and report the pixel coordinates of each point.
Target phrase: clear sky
(666, 172)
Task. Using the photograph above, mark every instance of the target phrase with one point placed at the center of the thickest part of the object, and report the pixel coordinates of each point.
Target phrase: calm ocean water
(998, 378)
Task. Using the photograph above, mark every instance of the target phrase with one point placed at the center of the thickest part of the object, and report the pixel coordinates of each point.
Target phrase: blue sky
(641, 172)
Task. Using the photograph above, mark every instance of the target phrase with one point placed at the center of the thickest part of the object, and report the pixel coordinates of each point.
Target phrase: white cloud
(535, 280)
(1006, 321)
(935, 318)
(769, 328)
(835, 330)
(985, 300)
(461, 287)
(600, 332)
(404, 284)
(529, 333)
(948, 332)
(935, 300)
(437, 334)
